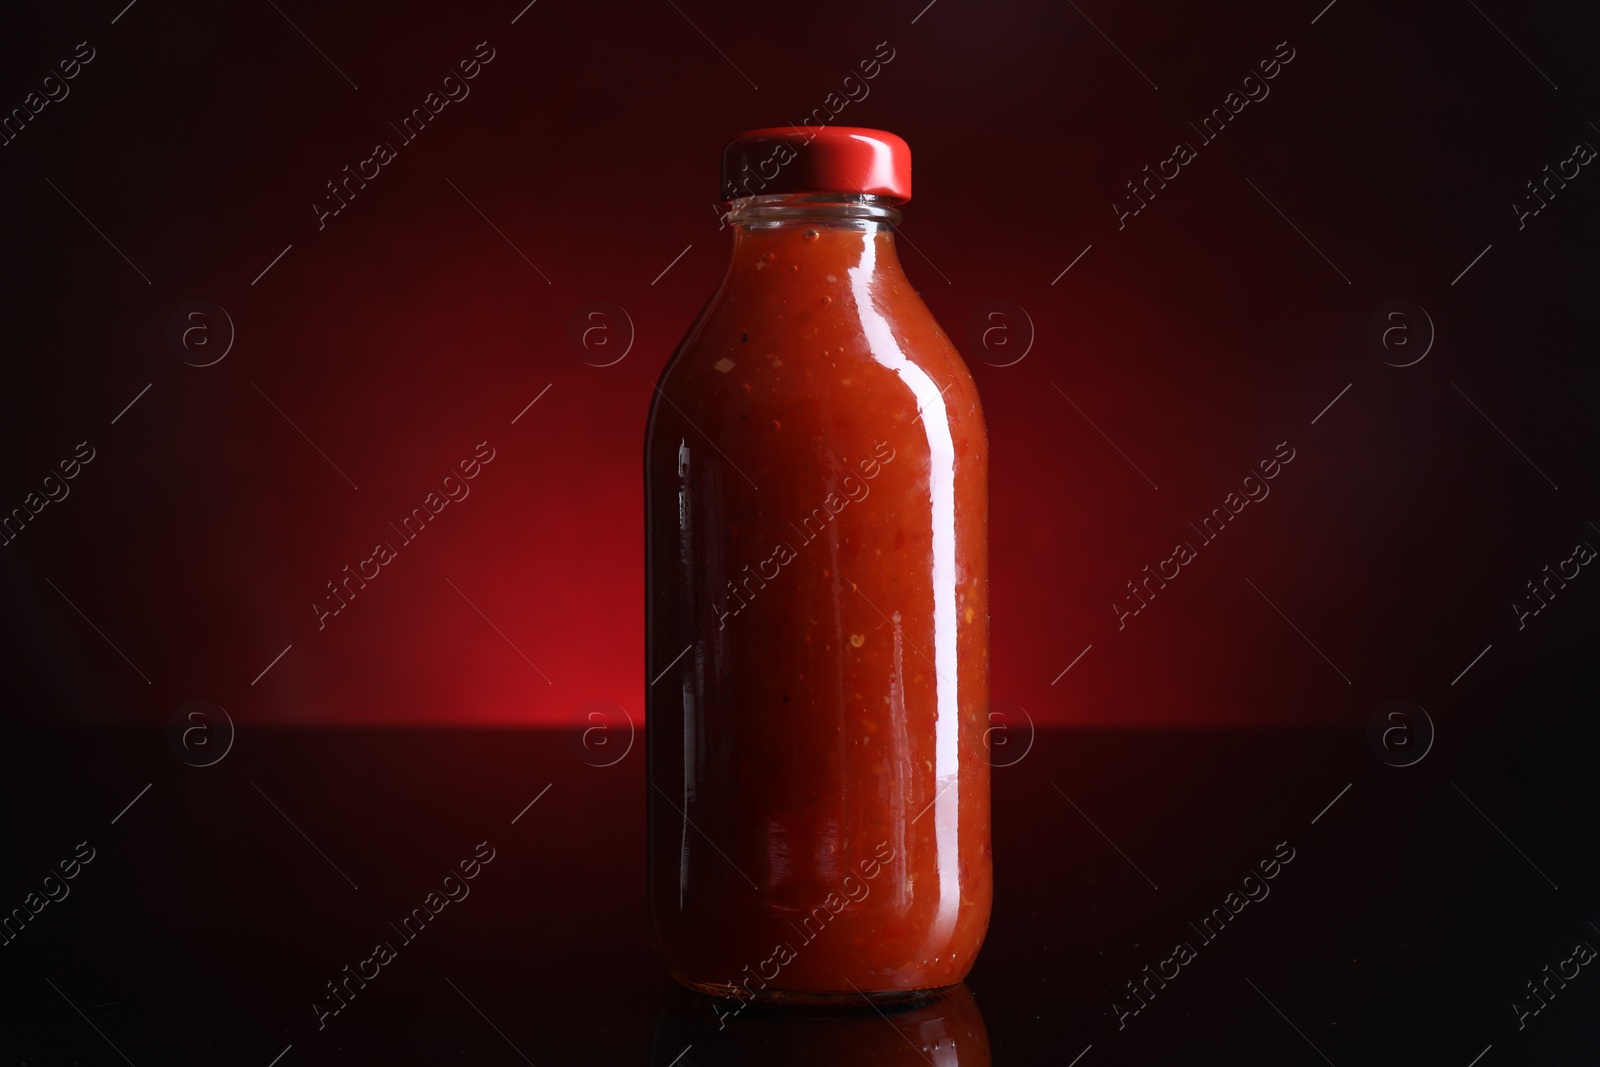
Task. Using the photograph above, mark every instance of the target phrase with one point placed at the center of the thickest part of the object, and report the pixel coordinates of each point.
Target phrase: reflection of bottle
(946, 1031)
(817, 607)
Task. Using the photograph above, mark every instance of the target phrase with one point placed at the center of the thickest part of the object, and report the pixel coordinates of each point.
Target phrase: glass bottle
(817, 660)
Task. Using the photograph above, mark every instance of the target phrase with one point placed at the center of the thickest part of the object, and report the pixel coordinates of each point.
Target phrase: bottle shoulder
(865, 348)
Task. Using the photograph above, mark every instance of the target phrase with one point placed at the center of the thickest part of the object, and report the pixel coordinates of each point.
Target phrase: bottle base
(811, 998)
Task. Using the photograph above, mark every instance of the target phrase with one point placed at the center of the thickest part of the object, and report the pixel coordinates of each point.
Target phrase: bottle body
(817, 624)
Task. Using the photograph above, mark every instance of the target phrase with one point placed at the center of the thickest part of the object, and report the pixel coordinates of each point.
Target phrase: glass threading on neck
(842, 211)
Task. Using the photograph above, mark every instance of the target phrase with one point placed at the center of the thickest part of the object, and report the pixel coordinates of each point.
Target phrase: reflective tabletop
(335, 896)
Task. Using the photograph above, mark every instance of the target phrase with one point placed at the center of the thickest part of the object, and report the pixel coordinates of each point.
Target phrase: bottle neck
(831, 232)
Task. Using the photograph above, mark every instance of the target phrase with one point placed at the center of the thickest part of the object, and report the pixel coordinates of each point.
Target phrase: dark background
(422, 319)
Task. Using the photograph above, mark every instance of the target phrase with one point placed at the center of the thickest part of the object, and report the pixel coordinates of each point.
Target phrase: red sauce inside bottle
(817, 613)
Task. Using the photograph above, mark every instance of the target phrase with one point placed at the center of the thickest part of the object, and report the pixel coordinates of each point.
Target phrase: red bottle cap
(802, 159)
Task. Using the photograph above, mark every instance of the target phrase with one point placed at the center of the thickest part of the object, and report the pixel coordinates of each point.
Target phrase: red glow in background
(380, 349)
